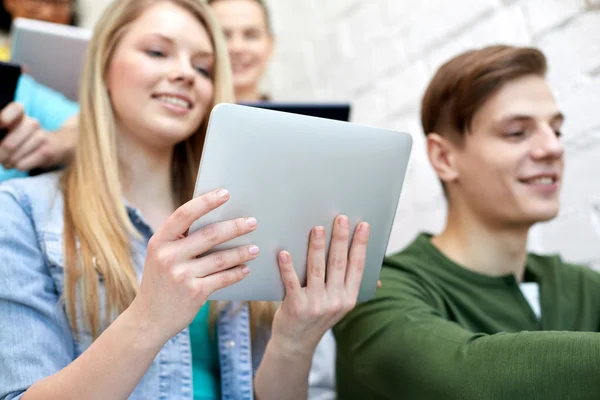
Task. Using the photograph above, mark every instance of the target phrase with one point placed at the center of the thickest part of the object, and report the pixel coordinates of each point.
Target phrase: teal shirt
(48, 106)
(205, 357)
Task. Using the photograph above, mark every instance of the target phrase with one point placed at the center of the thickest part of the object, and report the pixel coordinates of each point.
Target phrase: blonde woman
(79, 319)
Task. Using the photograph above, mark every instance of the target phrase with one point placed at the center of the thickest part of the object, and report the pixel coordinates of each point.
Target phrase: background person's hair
(462, 85)
(97, 230)
(6, 19)
(266, 12)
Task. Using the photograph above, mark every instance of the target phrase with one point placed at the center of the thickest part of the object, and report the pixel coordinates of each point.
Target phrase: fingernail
(283, 257)
(246, 270)
(253, 250)
(343, 221)
(251, 222)
(223, 192)
(319, 232)
(363, 228)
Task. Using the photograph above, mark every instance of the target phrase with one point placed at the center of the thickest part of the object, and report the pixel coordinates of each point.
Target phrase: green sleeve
(399, 346)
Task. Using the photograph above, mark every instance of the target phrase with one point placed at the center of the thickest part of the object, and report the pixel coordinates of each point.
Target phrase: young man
(469, 314)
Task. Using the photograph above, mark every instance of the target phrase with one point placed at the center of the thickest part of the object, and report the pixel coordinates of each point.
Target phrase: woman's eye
(204, 72)
(515, 134)
(155, 53)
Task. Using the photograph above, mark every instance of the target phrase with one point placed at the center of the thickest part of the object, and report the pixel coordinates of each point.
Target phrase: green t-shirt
(205, 357)
(436, 330)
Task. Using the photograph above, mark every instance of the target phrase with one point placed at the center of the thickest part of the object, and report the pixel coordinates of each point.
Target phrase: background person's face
(248, 40)
(57, 11)
(510, 165)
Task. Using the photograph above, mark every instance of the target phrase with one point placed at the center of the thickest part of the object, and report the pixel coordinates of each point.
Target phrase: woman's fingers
(222, 279)
(180, 221)
(220, 261)
(288, 274)
(356, 259)
(208, 237)
(338, 254)
(315, 261)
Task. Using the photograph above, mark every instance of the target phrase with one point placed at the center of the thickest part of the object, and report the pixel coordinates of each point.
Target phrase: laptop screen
(337, 111)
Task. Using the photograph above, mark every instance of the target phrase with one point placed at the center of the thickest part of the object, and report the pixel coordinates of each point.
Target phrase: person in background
(56, 11)
(95, 262)
(249, 32)
(469, 313)
(37, 109)
(250, 39)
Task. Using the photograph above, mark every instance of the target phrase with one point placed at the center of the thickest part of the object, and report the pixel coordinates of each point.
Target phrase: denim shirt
(36, 339)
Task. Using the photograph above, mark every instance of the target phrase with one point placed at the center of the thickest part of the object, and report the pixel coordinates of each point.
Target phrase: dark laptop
(338, 111)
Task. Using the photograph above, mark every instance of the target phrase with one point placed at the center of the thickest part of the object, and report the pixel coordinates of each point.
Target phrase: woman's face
(160, 77)
(248, 39)
(57, 11)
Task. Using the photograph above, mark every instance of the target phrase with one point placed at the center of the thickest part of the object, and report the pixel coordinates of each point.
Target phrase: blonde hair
(267, 14)
(98, 231)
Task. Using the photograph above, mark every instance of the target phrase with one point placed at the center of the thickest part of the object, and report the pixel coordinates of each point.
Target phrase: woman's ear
(442, 156)
(271, 47)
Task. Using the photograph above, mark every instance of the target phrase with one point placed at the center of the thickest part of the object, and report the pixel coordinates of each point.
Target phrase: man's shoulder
(418, 257)
(415, 271)
(554, 264)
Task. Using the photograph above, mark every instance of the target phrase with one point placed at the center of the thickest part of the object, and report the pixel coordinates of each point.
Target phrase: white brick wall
(380, 54)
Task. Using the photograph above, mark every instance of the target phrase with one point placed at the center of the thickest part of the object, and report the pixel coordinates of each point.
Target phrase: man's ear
(442, 156)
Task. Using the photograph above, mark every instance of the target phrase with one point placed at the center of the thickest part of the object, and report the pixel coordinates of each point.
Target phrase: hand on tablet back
(177, 280)
(332, 286)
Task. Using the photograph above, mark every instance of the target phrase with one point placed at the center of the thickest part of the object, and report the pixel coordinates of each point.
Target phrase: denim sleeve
(49, 107)
(35, 336)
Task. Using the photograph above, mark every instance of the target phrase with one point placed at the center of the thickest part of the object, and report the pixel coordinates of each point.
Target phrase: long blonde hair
(98, 230)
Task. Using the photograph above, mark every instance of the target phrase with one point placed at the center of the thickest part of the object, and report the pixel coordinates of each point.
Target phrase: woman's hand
(177, 279)
(27, 146)
(331, 289)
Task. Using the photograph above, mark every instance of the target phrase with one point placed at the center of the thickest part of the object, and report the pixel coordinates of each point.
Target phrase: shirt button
(229, 344)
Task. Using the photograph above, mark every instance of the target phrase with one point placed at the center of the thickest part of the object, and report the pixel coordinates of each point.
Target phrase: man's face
(509, 167)
(57, 11)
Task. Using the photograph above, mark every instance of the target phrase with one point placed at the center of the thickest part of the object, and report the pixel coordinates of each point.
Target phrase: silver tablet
(53, 54)
(293, 172)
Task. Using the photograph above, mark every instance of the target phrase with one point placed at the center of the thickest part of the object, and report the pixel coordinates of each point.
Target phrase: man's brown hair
(462, 85)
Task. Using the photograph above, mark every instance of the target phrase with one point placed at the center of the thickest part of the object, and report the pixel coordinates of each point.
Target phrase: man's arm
(398, 345)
